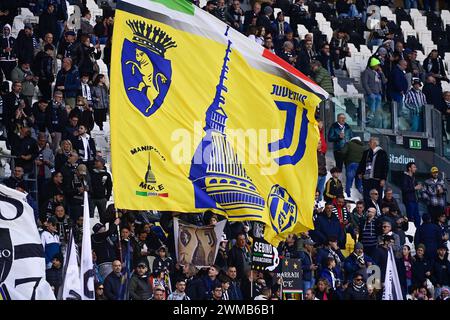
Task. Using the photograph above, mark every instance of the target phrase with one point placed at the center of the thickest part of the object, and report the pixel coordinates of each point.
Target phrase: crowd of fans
(51, 144)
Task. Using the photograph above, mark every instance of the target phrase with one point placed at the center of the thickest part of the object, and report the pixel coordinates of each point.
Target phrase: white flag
(22, 261)
(87, 267)
(392, 287)
(71, 288)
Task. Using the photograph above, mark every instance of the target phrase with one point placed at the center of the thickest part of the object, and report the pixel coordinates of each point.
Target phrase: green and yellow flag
(204, 118)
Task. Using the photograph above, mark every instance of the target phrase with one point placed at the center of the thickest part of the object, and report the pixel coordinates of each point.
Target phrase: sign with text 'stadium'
(202, 118)
(292, 275)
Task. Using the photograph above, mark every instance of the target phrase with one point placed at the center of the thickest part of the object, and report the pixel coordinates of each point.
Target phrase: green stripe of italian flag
(183, 15)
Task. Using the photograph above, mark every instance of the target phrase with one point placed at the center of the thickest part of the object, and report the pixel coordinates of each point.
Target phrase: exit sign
(415, 143)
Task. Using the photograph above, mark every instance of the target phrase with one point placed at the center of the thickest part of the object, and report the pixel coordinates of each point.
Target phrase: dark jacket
(306, 264)
(333, 135)
(43, 67)
(78, 146)
(112, 286)
(351, 265)
(234, 291)
(195, 289)
(236, 258)
(72, 50)
(48, 23)
(58, 117)
(103, 245)
(441, 271)
(353, 293)
(54, 278)
(70, 80)
(24, 47)
(428, 234)
(352, 151)
(325, 227)
(41, 118)
(397, 83)
(419, 268)
(381, 167)
(327, 63)
(322, 164)
(333, 188)
(433, 93)
(408, 191)
(139, 287)
(25, 146)
(5, 43)
(101, 184)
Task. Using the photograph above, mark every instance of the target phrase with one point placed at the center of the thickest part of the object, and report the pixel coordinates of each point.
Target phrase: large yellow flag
(204, 118)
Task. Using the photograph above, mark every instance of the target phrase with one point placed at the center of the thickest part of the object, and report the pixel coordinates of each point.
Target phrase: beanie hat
(374, 62)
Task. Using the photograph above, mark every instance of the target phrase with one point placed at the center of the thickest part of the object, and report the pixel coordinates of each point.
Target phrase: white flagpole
(87, 266)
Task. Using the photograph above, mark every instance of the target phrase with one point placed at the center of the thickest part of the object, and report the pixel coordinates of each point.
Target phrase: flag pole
(118, 236)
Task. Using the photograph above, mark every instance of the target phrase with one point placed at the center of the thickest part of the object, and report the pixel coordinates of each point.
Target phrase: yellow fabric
(169, 137)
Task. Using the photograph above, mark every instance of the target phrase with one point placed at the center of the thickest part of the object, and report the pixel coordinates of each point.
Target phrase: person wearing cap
(321, 76)
(50, 241)
(373, 81)
(54, 274)
(352, 153)
(333, 186)
(101, 186)
(265, 20)
(421, 266)
(357, 262)
(415, 102)
(434, 193)
(139, 286)
(308, 266)
(162, 262)
(441, 269)
(104, 246)
(357, 290)
(70, 48)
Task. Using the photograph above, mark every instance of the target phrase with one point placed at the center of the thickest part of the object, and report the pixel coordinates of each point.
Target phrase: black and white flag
(22, 261)
(71, 286)
(392, 287)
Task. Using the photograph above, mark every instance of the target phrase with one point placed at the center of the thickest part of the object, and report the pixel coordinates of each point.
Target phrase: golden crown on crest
(153, 38)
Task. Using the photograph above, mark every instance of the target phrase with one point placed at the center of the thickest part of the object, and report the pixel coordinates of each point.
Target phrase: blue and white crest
(283, 209)
(146, 73)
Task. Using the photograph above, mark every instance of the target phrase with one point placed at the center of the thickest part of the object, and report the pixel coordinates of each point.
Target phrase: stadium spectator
(112, 282)
(429, 234)
(410, 188)
(43, 70)
(415, 102)
(54, 274)
(327, 225)
(139, 286)
(321, 76)
(373, 80)
(324, 57)
(24, 74)
(58, 118)
(101, 100)
(339, 48)
(48, 21)
(339, 133)
(352, 153)
(180, 291)
(321, 160)
(8, 52)
(26, 44)
(373, 169)
(50, 241)
(357, 290)
(234, 15)
(434, 193)
(333, 187)
(68, 81)
(433, 65)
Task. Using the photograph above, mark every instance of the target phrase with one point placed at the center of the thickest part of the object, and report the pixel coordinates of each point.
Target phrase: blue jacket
(333, 135)
(234, 291)
(397, 84)
(351, 265)
(306, 264)
(323, 254)
(325, 227)
(71, 80)
(112, 286)
(408, 191)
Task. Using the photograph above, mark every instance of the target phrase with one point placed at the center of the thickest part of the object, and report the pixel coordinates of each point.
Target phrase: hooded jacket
(8, 42)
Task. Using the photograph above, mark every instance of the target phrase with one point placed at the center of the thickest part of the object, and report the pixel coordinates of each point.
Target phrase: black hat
(59, 257)
(97, 227)
(70, 33)
(28, 26)
(442, 246)
(388, 238)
